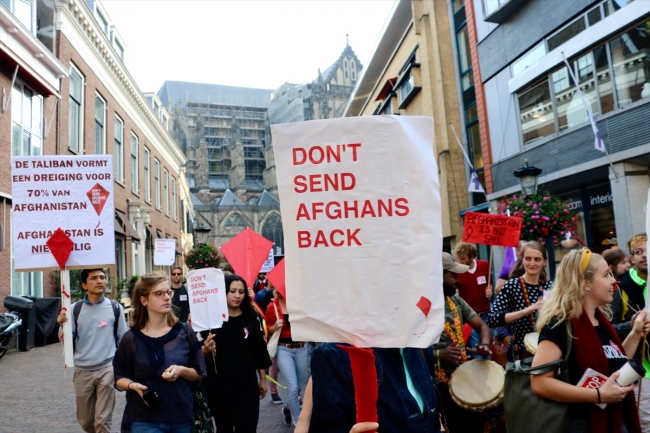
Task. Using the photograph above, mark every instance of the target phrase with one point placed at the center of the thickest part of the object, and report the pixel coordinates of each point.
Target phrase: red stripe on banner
(366, 387)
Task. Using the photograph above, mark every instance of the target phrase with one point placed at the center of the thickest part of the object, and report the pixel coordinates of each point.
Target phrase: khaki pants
(95, 396)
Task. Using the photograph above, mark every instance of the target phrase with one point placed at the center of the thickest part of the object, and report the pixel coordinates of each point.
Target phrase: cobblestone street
(38, 397)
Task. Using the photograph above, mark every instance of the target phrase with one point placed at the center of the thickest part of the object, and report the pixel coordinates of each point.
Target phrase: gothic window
(251, 201)
(345, 63)
(272, 230)
(234, 224)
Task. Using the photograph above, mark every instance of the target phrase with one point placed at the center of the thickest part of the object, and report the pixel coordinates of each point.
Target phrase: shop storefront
(594, 207)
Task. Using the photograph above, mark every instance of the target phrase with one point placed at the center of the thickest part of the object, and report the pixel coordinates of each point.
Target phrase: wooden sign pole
(67, 326)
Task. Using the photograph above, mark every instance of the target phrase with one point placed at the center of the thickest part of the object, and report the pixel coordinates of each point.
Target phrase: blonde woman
(156, 362)
(584, 286)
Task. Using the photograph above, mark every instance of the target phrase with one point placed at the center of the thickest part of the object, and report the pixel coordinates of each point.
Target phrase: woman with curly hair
(577, 307)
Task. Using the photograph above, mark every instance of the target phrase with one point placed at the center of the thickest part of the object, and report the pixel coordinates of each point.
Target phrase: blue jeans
(294, 365)
(475, 339)
(161, 427)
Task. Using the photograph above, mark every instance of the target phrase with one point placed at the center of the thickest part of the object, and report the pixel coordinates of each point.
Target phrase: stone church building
(225, 134)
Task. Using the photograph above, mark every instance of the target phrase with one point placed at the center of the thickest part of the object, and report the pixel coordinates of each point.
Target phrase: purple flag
(508, 262)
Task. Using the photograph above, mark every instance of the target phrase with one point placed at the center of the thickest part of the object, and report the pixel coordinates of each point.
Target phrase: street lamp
(202, 234)
(527, 176)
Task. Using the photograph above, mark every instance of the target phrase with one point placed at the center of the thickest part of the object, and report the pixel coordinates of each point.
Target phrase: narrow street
(38, 396)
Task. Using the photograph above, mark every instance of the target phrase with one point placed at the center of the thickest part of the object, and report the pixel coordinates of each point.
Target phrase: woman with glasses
(236, 379)
(156, 363)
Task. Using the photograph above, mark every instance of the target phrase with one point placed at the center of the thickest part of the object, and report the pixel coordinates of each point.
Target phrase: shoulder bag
(527, 412)
(272, 345)
(202, 421)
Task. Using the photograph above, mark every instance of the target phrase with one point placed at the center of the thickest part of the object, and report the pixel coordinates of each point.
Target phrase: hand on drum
(640, 323)
(450, 354)
(480, 349)
(612, 392)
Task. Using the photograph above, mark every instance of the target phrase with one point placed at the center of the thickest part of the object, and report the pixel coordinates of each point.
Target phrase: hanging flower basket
(203, 256)
(543, 216)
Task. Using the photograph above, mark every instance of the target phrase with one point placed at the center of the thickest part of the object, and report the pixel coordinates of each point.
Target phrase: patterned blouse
(512, 298)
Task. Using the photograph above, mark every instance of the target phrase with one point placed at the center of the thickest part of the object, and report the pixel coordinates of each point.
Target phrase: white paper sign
(164, 252)
(269, 264)
(74, 193)
(361, 214)
(208, 305)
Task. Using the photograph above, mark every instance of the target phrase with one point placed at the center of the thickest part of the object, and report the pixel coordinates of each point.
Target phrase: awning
(385, 91)
(159, 234)
(128, 228)
(119, 231)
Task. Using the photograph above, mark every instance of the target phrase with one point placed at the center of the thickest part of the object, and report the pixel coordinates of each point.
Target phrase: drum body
(531, 340)
(477, 385)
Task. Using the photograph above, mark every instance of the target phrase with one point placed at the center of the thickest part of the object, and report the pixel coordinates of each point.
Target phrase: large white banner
(360, 202)
(208, 304)
(73, 193)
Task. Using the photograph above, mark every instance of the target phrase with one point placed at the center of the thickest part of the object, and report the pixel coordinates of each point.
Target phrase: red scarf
(589, 354)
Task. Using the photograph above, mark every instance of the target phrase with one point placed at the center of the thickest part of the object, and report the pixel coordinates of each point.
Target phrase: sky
(247, 43)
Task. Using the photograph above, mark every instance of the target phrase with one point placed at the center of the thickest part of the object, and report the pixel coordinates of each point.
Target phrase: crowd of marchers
(591, 315)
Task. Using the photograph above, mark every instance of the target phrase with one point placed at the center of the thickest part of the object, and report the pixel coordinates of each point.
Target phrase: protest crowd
(571, 346)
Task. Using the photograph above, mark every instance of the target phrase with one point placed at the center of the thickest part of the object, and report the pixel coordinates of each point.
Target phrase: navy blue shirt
(397, 409)
(143, 359)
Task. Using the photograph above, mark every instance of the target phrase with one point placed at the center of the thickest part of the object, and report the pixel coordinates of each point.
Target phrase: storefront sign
(489, 229)
(73, 193)
(361, 211)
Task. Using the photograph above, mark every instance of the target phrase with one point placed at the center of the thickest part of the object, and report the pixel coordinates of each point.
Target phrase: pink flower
(562, 233)
(531, 230)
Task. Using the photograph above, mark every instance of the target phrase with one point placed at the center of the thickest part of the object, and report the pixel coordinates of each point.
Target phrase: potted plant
(203, 256)
(543, 216)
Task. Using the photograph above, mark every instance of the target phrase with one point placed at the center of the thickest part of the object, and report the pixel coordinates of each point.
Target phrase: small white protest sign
(269, 264)
(73, 193)
(361, 216)
(208, 306)
(165, 252)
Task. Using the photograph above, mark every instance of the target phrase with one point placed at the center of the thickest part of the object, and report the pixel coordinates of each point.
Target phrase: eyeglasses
(639, 251)
(161, 293)
(176, 273)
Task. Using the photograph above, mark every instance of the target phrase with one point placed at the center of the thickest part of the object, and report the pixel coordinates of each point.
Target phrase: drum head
(477, 384)
(531, 341)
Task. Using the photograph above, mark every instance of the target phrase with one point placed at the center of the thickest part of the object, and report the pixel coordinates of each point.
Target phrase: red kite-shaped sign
(276, 277)
(97, 196)
(60, 246)
(246, 253)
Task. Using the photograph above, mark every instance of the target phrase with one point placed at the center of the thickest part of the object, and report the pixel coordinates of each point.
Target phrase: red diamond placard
(424, 305)
(60, 246)
(98, 196)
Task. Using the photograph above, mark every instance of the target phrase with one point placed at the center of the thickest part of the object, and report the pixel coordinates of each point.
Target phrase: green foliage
(203, 256)
(543, 216)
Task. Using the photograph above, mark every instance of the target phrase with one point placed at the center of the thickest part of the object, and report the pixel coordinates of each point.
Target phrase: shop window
(75, 131)
(134, 164)
(147, 175)
(528, 59)
(100, 123)
(156, 175)
(566, 33)
(26, 124)
(631, 60)
(570, 108)
(119, 150)
(605, 90)
(536, 112)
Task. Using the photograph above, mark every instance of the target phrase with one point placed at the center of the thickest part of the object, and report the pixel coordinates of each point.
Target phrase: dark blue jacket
(333, 392)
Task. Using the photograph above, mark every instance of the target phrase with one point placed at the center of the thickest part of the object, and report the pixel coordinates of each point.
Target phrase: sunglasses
(176, 273)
